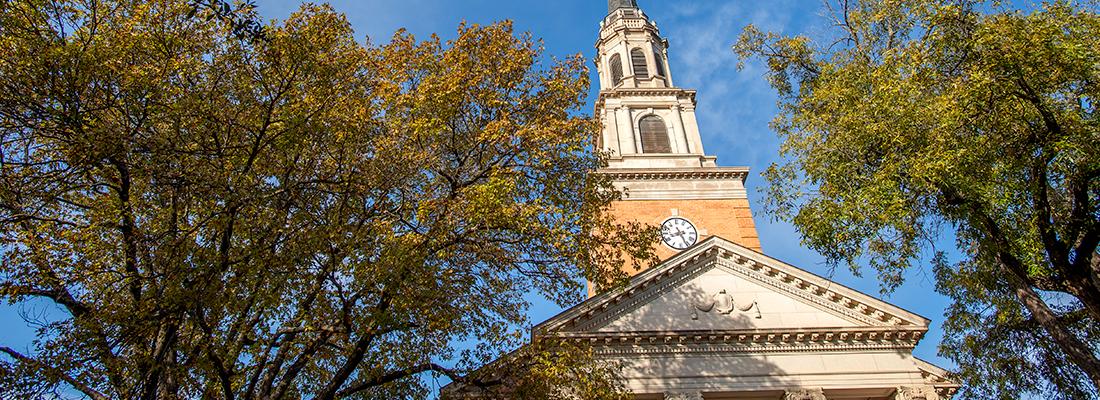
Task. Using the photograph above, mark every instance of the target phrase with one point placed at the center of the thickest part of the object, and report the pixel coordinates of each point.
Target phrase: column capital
(924, 392)
(804, 394)
(683, 396)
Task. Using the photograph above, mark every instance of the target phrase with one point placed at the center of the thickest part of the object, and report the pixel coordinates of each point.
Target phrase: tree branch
(50, 371)
(60, 296)
(397, 375)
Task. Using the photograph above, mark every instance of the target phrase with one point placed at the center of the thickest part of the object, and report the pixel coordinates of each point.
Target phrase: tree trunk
(1083, 289)
(1076, 350)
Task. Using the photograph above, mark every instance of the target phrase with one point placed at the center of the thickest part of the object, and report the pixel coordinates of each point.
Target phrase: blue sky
(734, 106)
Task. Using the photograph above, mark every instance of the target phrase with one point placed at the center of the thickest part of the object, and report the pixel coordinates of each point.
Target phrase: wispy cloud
(735, 106)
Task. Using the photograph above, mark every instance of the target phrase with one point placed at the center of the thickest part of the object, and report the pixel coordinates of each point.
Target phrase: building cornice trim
(751, 340)
(627, 92)
(632, 174)
(810, 288)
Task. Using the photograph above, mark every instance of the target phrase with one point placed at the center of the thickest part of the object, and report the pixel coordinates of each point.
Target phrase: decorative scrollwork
(683, 396)
(722, 303)
(804, 394)
(917, 393)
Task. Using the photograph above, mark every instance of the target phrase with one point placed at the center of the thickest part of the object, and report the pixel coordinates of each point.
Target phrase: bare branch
(53, 372)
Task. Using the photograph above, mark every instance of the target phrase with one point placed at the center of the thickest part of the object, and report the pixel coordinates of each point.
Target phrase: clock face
(678, 233)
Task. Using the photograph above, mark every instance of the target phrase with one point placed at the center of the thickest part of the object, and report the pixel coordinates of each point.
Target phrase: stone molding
(638, 297)
(747, 341)
(846, 307)
(804, 394)
(644, 92)
(638, 174)
(807, 287)
(937, 377)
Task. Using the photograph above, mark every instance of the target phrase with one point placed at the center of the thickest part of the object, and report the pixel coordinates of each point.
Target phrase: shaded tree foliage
(965, 119)
(545, 369)
(240, 16)
(299, 216)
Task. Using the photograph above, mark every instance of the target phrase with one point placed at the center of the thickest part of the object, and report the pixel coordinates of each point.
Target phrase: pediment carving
(717, 253)
(724, 303)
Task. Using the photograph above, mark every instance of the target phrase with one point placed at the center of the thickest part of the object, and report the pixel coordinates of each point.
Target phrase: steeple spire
(613, 5)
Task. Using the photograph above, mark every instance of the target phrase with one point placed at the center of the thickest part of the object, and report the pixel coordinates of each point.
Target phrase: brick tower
(649, 126)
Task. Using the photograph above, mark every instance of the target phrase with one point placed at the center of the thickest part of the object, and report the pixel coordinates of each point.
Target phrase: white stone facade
(720, 321)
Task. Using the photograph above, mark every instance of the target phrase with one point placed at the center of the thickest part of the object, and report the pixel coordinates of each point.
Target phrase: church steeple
(646, 113)
(651, 132)
(613, 5)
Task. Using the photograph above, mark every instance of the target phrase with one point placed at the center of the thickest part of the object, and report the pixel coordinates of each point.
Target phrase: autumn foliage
(301, 216)
(964, 135)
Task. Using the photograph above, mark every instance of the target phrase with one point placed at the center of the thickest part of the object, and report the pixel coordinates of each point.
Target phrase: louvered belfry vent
(637, 60)
(654, 135)
(616, 69)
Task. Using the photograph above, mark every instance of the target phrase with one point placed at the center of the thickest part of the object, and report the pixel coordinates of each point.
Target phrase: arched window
(616, 69)
(654, 135)
(637, 60)
(660, 63)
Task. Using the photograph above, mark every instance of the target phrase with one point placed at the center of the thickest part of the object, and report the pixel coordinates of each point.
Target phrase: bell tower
(650, 129)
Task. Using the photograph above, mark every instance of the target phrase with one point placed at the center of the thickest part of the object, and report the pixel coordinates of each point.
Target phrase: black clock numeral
(678, 233)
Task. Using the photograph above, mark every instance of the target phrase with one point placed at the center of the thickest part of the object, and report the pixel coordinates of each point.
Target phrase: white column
(627, 143)
(682, 143)
(691, 129)
(637, 130)
(668, 66)
(611, 131)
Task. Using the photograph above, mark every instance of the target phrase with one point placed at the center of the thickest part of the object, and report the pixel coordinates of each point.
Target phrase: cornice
(633, 299)
(819, 292)
(748, 341)
(846, 307)
(638, 174)
(625, 92)
(938, 377)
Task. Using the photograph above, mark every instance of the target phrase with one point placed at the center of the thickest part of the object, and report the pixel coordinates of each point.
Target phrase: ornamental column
(924, 392)
(804, 394)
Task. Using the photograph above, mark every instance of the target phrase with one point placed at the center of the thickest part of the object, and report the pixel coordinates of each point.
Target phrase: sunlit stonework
(718, 319)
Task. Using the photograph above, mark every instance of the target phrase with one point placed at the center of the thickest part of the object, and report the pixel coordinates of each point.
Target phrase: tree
(964, 119)
(298, 216)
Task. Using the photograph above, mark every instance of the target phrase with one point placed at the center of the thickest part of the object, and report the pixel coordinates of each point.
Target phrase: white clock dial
(678, 233)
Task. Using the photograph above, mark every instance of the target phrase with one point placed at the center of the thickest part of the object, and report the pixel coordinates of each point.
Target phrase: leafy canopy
(301, 216)
(930, 119)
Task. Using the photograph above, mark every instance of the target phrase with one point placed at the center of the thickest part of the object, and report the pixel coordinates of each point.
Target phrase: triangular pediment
(719, 299)
(718, 285)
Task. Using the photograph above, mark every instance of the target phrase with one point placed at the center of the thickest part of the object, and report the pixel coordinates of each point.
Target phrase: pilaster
(625, 131)
(611, 132)
(678, 133)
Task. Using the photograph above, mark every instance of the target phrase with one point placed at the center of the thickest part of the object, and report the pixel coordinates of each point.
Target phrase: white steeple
(648, 121)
